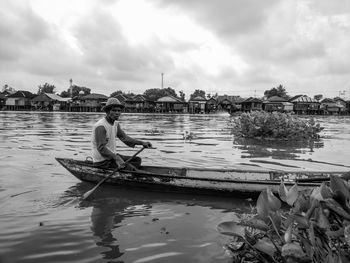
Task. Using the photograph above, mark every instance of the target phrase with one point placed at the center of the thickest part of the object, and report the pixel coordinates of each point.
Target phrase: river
(43, 218)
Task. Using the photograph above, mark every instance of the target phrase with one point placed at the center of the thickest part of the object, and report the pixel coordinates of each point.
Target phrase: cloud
(226, 18)
(239, 47)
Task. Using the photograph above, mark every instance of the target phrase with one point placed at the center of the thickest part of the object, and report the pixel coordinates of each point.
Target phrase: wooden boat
(193, 180)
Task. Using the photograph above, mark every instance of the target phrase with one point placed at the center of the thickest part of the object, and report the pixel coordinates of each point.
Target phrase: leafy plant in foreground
(315, 228)
(275, 125)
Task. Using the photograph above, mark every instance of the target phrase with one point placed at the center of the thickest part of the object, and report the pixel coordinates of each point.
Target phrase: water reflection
(124, 221)
(121, 224)
(253, 148)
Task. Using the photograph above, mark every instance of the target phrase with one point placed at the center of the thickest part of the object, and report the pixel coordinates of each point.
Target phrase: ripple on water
(52, 223)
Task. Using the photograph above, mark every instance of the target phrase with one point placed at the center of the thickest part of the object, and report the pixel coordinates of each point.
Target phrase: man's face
(114, 113)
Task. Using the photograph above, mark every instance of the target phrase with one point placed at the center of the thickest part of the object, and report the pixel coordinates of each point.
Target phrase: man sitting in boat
(104, 135)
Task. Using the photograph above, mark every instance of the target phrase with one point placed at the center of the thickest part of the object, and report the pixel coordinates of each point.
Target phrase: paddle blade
(87, 194)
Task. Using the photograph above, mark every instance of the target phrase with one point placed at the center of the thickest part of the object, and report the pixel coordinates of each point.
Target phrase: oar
(88, 193)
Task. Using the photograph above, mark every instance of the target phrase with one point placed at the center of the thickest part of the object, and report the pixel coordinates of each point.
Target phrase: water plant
(275, 125)
(299, 226)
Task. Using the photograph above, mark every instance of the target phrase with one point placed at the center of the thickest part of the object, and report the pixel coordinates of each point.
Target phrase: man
(104, 135)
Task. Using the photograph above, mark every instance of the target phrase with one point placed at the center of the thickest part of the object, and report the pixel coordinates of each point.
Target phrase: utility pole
(162, 79)
(71, 87)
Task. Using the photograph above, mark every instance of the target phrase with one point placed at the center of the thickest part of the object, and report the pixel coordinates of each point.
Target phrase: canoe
(194, 180)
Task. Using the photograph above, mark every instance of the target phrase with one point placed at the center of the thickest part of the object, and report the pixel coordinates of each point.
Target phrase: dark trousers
(136, 162)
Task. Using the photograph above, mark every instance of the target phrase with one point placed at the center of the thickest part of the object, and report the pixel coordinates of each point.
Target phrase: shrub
(275, 125)
(315, 229)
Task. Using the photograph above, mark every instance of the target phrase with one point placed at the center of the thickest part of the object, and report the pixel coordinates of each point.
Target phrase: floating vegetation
(188, 135)
(314, 227)
(154, 131)
(275, 125)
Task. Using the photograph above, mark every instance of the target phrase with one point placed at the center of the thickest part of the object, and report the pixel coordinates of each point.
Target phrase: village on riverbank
(165, 100)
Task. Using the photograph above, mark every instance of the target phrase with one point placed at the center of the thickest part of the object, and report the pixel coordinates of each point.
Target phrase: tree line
(152, 94)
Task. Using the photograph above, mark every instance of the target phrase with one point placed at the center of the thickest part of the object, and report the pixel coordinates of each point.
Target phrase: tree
(279, 91)
(182, 95)
(76, 91)
(7, 88)
(46, 88)
(318, 97)
(155, 94)
(170, 92)
(197, 93)
(115, 93)
(65, 94)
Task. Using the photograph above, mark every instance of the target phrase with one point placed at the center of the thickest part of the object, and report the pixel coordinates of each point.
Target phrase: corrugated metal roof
(304, 99)
(199, 98)
(169, 99)
(94, 96)
(48, 97)
(54, 97)
(276, 99)
(251, 99)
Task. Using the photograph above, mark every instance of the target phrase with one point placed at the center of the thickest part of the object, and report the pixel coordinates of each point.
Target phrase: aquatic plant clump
(275, 125)
(315, 229)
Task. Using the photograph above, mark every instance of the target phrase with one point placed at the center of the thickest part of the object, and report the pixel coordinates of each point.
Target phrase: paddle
(88, 193)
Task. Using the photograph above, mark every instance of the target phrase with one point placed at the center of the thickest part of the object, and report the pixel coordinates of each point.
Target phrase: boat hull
(192, 180)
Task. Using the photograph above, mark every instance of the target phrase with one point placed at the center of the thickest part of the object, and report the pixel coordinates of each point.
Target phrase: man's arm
(131, 142)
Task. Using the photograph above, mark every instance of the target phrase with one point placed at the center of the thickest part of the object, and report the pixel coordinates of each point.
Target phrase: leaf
(347, 234)
(312, 234)
(302, 204)
(316, 194)
(333, 258)
(231, 228)
(301, 221)
(337, 184)
(256, 223)
(336, 208)
(288, 234)
(335, 234)
(293, 250)
(314, 204)
(292, 194)
(262, 206)
(282, 191)
(322, 220)
(267, 203)
(274, 202)
(266, 246)
(341, 199)
(276, 220)
(307, 246)
(325, 191)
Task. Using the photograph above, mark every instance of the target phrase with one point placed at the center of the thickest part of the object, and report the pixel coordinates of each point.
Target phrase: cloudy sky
(233, 47)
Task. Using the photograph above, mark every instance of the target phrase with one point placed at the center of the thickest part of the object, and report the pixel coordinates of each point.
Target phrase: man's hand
(146, 144)
(119, 161)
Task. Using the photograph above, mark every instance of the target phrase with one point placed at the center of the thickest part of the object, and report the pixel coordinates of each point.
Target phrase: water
(43, 218)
